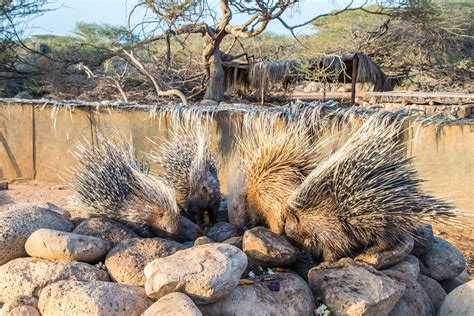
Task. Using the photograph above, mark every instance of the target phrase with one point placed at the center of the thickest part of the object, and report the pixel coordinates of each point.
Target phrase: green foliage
(172, 10)
(102, 35)
(431, 38)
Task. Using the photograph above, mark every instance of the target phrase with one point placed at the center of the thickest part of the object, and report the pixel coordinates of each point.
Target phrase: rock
(173, 304)
(20, 305)
(92, 298)
(56, 245)
(268, 249)
(205, 273)
(410, 266)
(188, 229)
(234, 241)
(459, 302)
(351, 288)
(415, 301)
(126, 260)
(203, 240)
(434, 290)
(52, 207)
(443, 261)
(285, 294)
(222, 231)
(423, 240)
(106, 229)
(23, 310)
(19, 222)
(26, 276)
(384, 259)
(451, 284)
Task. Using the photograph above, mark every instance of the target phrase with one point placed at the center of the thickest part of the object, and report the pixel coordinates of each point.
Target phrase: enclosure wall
(37, 143)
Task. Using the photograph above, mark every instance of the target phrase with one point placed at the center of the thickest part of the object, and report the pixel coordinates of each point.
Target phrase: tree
(13, 14)
(431, 39)
(198, 17)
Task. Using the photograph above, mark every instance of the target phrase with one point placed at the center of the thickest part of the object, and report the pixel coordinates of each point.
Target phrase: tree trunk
(215, 86)
(168, 51)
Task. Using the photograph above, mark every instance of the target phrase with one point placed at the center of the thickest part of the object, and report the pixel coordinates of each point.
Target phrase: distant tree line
(179, 49)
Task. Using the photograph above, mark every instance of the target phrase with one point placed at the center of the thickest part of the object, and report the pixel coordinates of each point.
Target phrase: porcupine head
(204, 194)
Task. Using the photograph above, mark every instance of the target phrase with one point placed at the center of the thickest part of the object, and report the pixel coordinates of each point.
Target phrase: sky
(115, 12)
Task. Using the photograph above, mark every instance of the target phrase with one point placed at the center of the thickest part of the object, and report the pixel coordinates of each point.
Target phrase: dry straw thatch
(265, 75)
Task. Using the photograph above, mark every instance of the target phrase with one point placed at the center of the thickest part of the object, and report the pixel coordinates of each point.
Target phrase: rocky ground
(53, 263)
(461, 237)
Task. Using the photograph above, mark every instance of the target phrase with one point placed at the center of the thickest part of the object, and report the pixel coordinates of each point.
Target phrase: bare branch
(171, 92)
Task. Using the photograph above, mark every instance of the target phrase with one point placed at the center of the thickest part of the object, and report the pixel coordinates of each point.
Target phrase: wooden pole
(355, 68)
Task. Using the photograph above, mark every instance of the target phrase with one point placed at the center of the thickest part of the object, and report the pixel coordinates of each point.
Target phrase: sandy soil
(461, 237)
(34, 192)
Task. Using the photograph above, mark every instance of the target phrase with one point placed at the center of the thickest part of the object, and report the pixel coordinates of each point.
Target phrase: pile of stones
(51, 264)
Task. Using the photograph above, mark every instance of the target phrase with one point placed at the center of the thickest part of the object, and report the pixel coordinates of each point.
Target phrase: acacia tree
(199, 17)
(13, 14)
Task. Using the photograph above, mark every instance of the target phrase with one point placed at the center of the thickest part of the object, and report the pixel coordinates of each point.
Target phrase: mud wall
(37, 143)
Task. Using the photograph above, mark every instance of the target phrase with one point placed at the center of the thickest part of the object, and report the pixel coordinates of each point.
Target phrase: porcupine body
(190, 168)
(112, 184)
(362, 197)
(271, 161)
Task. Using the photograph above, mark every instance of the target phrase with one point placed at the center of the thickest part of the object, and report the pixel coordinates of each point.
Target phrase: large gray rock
(268, 249)
(459, 302)
(105, 228)
(434, 290)
(384, 259)
(350, 288)
(56, 245)
(92, 298)
(451, 284)
(205, 273)
(188, 230)
(443, 261)
(127, 260)
(423, 240)
(173, 304)
(282, 294)
(410, 266)
(415, 301)
(19, 222)
(27, 276)
(222, 231)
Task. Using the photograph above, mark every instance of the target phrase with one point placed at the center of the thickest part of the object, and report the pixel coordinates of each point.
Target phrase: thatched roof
(265, 75)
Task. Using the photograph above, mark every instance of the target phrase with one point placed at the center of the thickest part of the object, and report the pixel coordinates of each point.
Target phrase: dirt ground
(461, 237)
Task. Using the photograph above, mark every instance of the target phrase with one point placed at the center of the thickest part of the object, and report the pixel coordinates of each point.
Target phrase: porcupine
(362, 197)
(190, 168)
(272, 159)
(112, 184)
